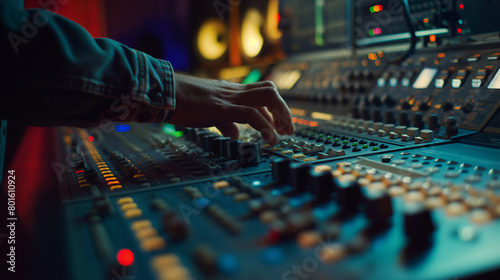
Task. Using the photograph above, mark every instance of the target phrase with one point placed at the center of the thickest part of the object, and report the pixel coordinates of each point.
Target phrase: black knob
(281, 170)
(300, 175)
(226, 147)
(209, 143)
(249, 154)
(218, 145)
(447, 106)
(365, 114)
(423, 107)
(322, 184)
(200, 140)
(376, 116)
(403, 119)
(468, 107)
(389, 117)
(378, 206)
(418, 121)
(433, 122)
(405, 105)
(234, 146)
(451, 127)
(189, 133)
(387, 100)
(375, 100)
(355, 113)
(418, 222)
(349, 196)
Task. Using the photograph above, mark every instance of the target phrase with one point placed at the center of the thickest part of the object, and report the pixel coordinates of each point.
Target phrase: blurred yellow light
(251, 38)
(211, 40)
(272, 30)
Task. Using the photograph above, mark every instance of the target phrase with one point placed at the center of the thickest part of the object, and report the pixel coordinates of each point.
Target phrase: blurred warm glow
(272, 20)
(211, 40)
(251, 38)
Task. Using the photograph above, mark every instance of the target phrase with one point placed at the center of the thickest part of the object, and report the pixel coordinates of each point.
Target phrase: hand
(205, 102)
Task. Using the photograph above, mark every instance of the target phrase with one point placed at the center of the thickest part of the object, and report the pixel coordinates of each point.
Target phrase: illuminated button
(241, 197)
(456, 83)
(104, 168)
(84, 185)
(115, 187)
(455, 209)
(480, 216)
(221, 185)
(132, 213)
(155, 243)
(108, 175)
(82, 181)
(434, 202)
(164, 261)
(130, 205)
(332, 253)
(396, 190)
(106, 172)
(145, 233)
(308, 239)
(322, 168)
(113, 183)
(142, 224)
(111, 179)
(477, 83)
(414, 196)
(139, 176)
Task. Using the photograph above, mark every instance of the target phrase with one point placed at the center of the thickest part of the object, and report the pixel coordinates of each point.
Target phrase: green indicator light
(365, 147)
(320, 135)
(345, 142)
(372, 10)
(328, 138)
(375, 149)
(355, 144)
(253, 77)
(336, 140)
(371, 32)
(318, 22)
(170, 130)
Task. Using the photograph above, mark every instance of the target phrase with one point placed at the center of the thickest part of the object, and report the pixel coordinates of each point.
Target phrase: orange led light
(432, 38)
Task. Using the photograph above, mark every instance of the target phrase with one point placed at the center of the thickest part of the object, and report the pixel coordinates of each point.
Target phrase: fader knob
(300, 175)
(226, 147)
(418, 222)
(403, 119)
(249, 154)
(427, 135)
(468, 107)
(433, 122)
(389, 117)
(281, 170)
(451, 127)
(447, 106)
(349, 196)
(322, 184)
(418, 120)
(378, 205)
(376, 116)
(234, 146)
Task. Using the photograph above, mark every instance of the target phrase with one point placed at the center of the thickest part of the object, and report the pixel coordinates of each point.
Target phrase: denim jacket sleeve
(54, 73)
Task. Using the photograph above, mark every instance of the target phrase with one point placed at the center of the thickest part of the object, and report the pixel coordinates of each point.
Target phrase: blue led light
(201, 202)
(227, 264)
(256, 183)
(273, 256)
(122, 128)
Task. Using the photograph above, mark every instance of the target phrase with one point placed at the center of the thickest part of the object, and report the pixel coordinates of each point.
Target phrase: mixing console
(393, 171)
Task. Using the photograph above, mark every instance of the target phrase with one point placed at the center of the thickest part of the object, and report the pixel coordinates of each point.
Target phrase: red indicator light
(125, 257)
(459, 30)
(462, 6)
(432, 38)
(91, 138)
(278, 17)
(426, 20)
(79, 171)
